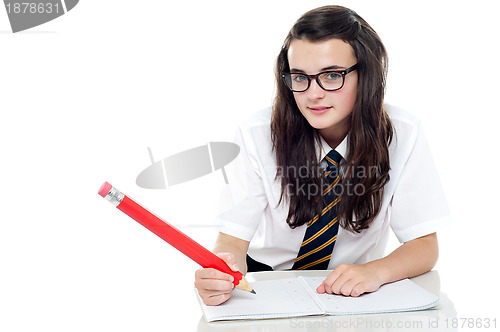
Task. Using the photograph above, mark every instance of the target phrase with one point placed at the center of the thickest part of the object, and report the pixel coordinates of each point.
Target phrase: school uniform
(413, 204)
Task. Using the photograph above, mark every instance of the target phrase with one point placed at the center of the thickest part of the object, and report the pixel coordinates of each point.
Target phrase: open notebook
(296, 297)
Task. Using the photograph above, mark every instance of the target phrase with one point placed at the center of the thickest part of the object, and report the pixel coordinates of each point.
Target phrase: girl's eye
(331, 76)
(299, 78)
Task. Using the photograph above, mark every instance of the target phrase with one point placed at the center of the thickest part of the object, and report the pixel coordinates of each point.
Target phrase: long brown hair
(295, 141)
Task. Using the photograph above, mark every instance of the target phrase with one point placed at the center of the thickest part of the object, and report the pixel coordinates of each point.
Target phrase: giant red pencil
(172, 235)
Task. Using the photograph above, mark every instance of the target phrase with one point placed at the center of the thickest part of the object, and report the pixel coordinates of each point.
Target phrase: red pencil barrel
(176, 238)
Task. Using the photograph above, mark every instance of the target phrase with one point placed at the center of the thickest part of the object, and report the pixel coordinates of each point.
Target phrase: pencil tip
(253, 292)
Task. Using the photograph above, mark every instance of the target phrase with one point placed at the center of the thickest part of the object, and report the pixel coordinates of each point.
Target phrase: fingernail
(236, 267)
(231, 278)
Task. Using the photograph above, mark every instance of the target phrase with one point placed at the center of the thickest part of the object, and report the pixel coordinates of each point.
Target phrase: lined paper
(297, 297)
(273, 299)
(403, 295)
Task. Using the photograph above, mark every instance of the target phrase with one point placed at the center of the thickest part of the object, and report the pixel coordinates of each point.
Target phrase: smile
(318, 110)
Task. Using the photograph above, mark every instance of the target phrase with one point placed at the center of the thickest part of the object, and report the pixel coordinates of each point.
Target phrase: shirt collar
(325, 148)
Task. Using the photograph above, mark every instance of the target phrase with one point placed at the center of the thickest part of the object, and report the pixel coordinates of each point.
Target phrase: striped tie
(321, 234)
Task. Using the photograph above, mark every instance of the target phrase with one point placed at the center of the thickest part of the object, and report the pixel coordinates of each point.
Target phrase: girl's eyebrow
(334, 67)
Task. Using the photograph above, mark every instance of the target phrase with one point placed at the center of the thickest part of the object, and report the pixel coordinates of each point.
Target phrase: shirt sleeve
(243, 199)
(419, 205)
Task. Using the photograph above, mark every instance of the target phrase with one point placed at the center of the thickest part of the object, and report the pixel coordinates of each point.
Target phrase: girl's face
(327, 111)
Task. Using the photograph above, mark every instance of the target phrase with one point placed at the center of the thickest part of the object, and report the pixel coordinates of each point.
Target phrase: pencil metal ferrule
(114, 196)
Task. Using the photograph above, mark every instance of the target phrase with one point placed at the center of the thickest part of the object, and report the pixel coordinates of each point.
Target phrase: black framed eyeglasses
(331, 80)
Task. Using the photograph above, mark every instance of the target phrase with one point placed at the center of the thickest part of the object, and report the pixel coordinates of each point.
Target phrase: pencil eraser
(104, 190)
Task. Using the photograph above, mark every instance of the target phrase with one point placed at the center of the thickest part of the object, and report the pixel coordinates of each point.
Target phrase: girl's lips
(318, 110)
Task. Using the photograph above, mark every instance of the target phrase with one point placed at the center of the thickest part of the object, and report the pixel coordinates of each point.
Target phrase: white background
(83, 96)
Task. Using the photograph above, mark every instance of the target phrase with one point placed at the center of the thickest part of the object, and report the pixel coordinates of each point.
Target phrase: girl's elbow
(432, 246)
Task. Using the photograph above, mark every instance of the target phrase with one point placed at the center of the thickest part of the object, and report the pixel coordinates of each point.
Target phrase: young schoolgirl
(324, 174)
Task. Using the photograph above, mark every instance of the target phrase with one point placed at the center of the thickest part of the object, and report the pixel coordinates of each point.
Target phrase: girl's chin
(321, 125)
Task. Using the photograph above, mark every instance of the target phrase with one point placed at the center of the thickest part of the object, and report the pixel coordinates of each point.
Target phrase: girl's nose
(315, 91)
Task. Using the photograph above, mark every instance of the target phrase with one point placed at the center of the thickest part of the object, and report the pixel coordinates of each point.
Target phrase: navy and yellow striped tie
(321, 233)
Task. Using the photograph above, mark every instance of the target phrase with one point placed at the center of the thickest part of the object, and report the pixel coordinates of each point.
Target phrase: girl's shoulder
(399, 115)
(406, 126)
(407, 133)
(255, 130)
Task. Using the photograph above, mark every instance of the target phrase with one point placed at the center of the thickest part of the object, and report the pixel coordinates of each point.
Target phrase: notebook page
(403, 295)
(273, 299)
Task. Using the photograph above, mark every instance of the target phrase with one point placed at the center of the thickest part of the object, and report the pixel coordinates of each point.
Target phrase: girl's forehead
(314, 56)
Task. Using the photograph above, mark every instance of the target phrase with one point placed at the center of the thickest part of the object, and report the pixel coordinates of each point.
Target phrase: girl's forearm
(411, 259)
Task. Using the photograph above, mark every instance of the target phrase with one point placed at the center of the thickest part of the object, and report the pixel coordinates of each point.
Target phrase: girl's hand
(351, 280)
(216, 287)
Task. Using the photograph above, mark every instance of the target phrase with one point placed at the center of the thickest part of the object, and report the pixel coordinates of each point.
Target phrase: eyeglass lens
(328, 81)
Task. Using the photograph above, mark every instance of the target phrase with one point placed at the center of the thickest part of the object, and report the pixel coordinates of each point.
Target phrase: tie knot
(333, 159)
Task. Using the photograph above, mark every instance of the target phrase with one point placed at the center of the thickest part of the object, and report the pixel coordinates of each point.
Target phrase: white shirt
(413, 204)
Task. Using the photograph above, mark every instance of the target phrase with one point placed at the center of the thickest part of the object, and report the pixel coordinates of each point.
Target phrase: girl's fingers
(347, 288)
(358, 290)
(214, 291)
(216, 299)
(321, 288)
(339, 283)
(326, 286)
(349, 280)
(213, 274)
(230, 260)
(214, 286)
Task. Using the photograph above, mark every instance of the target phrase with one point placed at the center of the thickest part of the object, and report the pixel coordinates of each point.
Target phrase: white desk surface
(431, 320)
